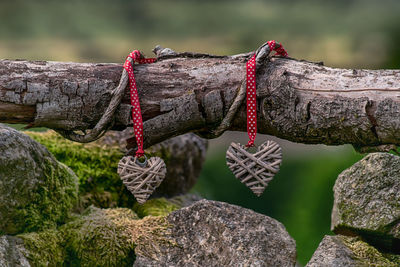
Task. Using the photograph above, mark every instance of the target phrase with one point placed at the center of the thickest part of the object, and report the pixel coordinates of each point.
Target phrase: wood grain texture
(297, 100)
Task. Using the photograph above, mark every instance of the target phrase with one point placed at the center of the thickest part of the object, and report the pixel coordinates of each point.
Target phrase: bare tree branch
(297, 100)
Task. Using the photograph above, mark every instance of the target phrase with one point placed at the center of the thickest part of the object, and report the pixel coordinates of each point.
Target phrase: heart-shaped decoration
(141, 179)
(255, 170)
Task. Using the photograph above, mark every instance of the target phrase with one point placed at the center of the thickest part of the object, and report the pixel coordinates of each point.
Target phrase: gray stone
(344, 251)
(211, 233)
(367, 200)
(12, 252)
(184, 156)
(36, 191)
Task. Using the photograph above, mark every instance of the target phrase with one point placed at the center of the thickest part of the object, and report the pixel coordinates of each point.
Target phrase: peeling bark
(297, 100)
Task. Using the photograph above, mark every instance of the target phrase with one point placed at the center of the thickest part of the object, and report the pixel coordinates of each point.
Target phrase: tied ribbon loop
(136, 110)
(251, 100)
(251, 97)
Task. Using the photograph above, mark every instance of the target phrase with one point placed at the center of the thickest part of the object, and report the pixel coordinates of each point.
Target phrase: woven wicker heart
(255, 170)
(141, 179)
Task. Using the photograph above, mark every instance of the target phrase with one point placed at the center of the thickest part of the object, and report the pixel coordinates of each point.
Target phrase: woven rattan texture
(141, 181)
(255, 170)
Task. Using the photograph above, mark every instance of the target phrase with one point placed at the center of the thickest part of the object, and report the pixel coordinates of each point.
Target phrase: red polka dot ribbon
(136, 111)
(251, 97)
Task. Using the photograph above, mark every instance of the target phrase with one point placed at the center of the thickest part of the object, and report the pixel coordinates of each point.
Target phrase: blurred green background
(341, 33)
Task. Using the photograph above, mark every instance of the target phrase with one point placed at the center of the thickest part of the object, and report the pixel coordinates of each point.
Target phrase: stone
(44, 248)
(100, 237)
(109, 237)
(184, 156)
(207, 233)
(95, 164)
(97, 237)
(36, 191)
(211, 233)
(367, 200)
(12, 252)
(345, 251)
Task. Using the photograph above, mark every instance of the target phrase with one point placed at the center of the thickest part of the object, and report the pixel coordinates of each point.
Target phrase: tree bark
(297, 100)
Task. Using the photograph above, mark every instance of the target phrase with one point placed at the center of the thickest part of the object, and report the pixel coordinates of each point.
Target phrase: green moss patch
(36, 191)
(95, 164)
(45, 248)
(155, 207)
(99, 237)
(368, 255)
(50, 206)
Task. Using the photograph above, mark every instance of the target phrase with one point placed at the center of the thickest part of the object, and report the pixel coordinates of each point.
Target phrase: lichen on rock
(12, 252)
(367, 200)
(350, 252)
(36, 191)
(211, 233)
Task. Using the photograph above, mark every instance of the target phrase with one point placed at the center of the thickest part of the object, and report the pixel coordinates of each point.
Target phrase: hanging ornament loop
(141, 163)
(261, 56)
(140, 175)
(136, 57)
(251, 88)
(255, 170)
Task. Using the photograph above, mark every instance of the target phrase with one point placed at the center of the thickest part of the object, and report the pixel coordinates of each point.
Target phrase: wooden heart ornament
(141, 178)
(255, 170)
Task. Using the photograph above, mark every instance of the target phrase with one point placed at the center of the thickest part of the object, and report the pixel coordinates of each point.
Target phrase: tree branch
(297, 100)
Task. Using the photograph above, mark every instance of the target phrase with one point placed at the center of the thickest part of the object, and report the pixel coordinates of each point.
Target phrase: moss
(46, 204)
(95, 164)
(95, 239)
(110, 237)
(53, 203)
(395, 258)
(99, 237)
(155, 207)
(366, 254)
(45, 248)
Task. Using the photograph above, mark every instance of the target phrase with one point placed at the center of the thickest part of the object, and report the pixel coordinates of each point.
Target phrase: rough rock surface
(343, 251)
(211, 233)
(12, 252)
(367, 199)
(207, 233)
(36, 191)
(98, 237)
(184, 156)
